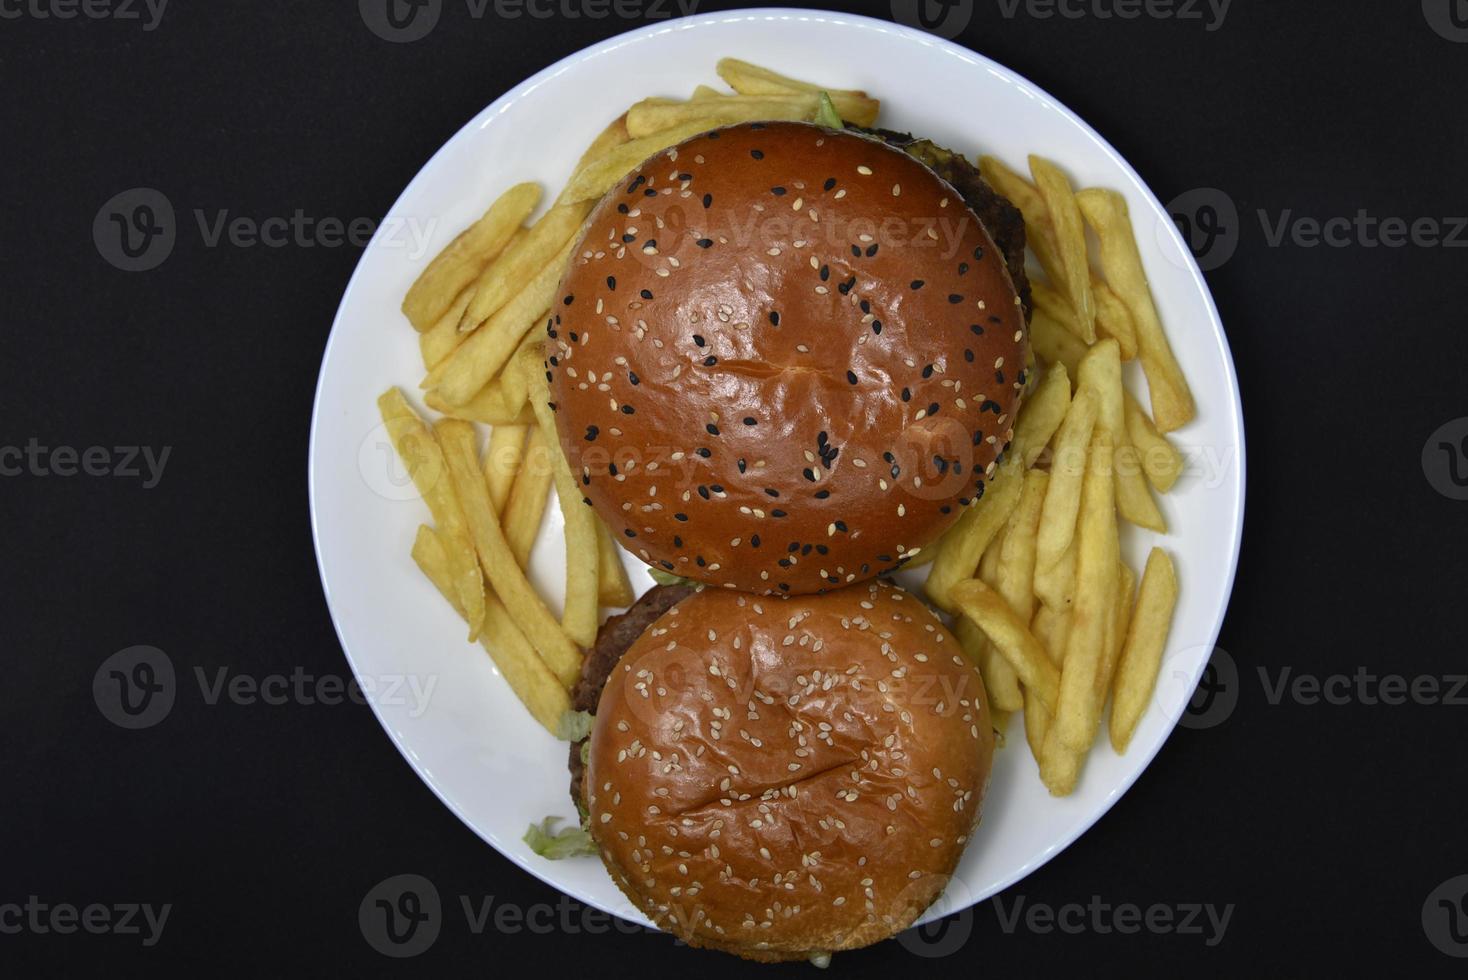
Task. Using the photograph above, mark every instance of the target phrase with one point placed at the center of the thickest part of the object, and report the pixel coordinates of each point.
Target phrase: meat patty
(617, 634)
(1003, 221)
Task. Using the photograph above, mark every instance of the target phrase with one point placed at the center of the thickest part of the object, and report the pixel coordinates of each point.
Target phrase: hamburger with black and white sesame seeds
(785, 357)
(782, 778)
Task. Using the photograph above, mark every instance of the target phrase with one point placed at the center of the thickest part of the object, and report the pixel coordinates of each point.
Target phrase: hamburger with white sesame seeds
(784, 357)
(782, 778)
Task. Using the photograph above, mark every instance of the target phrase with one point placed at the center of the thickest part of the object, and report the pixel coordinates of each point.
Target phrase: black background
(1327, 826)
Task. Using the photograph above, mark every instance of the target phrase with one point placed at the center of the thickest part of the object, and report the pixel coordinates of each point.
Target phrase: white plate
(469, 739)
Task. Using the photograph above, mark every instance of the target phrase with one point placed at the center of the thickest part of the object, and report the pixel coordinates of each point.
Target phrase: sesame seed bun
(784, 358)
(778, 777)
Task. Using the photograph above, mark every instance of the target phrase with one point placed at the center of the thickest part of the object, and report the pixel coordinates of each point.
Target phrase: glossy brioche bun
(783, 358)
(780, 777)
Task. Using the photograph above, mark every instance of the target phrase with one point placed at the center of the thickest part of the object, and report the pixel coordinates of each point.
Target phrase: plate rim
(1009, 76)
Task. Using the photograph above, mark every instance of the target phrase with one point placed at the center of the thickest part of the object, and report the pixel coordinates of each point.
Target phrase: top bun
(784, 358)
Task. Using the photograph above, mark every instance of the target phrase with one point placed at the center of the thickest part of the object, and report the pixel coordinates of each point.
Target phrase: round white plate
(441, 699)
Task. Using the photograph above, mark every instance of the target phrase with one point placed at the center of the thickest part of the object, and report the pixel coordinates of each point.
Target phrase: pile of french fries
(1046, 607)
(477, 307)
(1032, 572)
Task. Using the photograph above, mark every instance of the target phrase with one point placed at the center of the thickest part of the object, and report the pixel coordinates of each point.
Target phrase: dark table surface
(1323, 827)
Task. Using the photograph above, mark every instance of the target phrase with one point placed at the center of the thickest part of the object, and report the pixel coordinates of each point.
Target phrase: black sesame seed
(754, 541)
(771, 492)
(757, 154)
(933, 408)
(629, 532)
(999, 377)
(628, 410)
(822, 494)
(716, 487)
(712, 429)
(649, 193)
(825, 273)
(805, 551)
(591, 433)
(968, 355)
(646, 294)
(704, 452)
(622, 209)
(830, 183)
(856, 251)
(612, 468)
(955, 298)
(907, 397)
(554, 361)
(632, 377)
(666, 564)
(928, 371)
(963, 268)
(569, 300)
(680, 517)
(978, 330)
(750, 420)
(822, 550)
(574, 338)
(876, 326)
(651, 243)
(794, 547)
(611, 282)
(866, 306)
(710, 361)
(698, 340)
(699, 560)
(742, 466)
(703, 492)
(629, 238)
(637, 182)
(847, 286)
(841, 526)
(708, 199)
(783, 563)
(677, 541)
(705, 243)
(979, 254)
(871, 250)
(809, 474)
(851, 377)
(917, 284)
(685, 176)
(777, 513)
(774, 319)
(777, 191)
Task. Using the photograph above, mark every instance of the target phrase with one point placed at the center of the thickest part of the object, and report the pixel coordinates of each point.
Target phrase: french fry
(1078, 712)
(965, 542)
(1009, 635)
(1106, 213)
(1042, 414)
(502, 460)
(421, 454)
(462, 260)
(1162, 463)
(487, 349)
(1113, 319)
(525, 507)
(1050, 627)
(1070, 237)
(975, 646)
(505, 278)
(613, 588)
(528, 676)
(747, 79)
(706, 92)
(1100, 371)
(488, 406)
(601, 175)
(440, 340)
(579, 618)
(1060, 765)
(655, 115)
(1054, 344)
(1068, 469)
(1015, 577)
(1055, 306)
(606, 141)
(526, 607)
(1039, 232)
(1055, 585)
(998, 675)
(1141, 653)
(524, 366)
(1119, 618)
